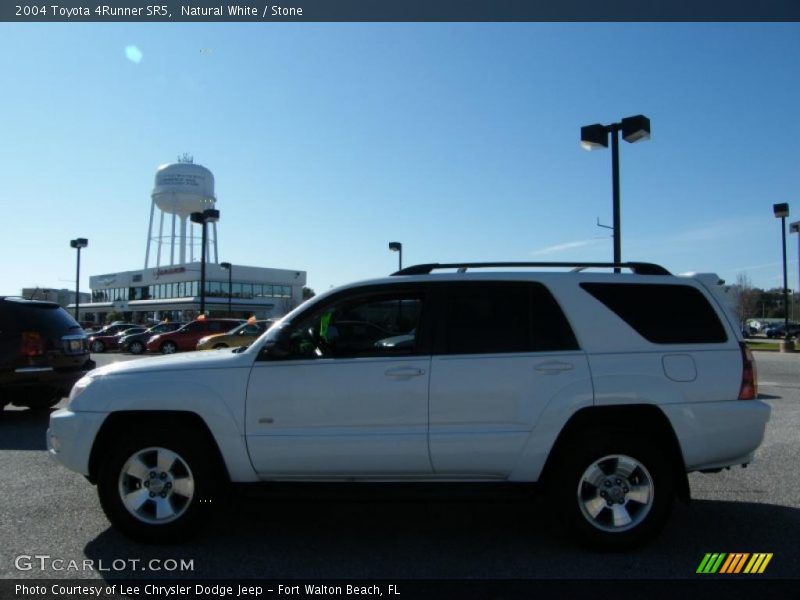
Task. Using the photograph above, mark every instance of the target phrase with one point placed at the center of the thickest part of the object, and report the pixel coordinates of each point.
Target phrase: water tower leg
(149, 233)
(183, 240)
(216, 251)
(160, 238)
(172, 243)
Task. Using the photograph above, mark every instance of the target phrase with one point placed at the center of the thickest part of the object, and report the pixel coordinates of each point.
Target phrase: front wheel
(136, 347)
(98, 347)
(155, 487)
(169, 348)
(614, 493)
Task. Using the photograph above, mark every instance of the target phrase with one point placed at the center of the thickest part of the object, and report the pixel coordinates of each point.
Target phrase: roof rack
(639, 268)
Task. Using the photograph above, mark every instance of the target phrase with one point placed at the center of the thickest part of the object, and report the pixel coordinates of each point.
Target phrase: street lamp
(229, 268)
(209, 215)
(795, 228)
(78, 243)
(595, 136)
(397, 247)
(781, 211)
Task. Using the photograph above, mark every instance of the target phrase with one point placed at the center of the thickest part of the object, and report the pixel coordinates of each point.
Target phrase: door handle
(404, 372)
(554, 367)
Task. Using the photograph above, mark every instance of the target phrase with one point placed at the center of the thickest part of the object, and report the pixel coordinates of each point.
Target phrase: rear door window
(502, 317)
(662, 313)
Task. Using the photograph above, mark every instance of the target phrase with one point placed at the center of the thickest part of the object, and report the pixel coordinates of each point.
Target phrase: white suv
(607, 388)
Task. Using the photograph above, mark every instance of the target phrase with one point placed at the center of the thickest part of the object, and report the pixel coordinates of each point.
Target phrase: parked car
(43, 352)
(778, 330)
(243, 335)
(136, 343)
(604, 388)
(186, 337)
(100, 340)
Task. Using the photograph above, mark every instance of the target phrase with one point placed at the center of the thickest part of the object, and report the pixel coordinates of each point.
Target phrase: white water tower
(181, 188)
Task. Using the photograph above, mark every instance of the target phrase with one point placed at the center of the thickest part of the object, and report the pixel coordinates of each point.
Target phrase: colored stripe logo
(734, 563)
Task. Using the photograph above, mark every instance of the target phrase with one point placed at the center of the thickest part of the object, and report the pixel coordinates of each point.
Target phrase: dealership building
(168, 287)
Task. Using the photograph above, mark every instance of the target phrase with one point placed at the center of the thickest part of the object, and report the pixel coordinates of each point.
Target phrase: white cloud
(566, 246)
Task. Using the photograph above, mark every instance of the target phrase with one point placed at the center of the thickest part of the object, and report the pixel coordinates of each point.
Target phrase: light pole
(795, 228)
(78, 243)
(397, 247)
(210, 215)
(229, 267)
(595, 136)
(781, 211)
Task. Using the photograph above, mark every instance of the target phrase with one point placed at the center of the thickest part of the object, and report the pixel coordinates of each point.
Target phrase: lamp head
(225, 265)
(594, 136)
(780, 210)
(635, 128)
(79, 243)
(395, 246)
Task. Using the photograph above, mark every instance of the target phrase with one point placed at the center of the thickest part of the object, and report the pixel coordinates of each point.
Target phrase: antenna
(186, 158)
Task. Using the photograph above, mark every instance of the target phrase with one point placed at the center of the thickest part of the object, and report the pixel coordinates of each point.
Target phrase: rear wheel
(98, 347)
(169, 348)
(155, 485)
(136, 347)
(613, 492)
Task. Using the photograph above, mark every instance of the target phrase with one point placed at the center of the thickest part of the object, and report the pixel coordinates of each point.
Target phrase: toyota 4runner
(606, 388)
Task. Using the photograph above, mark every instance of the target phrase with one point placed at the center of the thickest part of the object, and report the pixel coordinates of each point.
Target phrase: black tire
(97, 347)
(39, 400)
(196, 460)
(169, 348)
(136, 347)
(596, 514)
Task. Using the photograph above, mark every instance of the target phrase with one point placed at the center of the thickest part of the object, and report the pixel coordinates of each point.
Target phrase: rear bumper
(718, 434)
(24, 381)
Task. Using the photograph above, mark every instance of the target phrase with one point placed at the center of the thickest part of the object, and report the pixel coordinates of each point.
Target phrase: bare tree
(745, 298)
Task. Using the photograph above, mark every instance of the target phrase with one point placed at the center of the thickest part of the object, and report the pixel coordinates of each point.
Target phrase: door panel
(484, 407)
(339, 417)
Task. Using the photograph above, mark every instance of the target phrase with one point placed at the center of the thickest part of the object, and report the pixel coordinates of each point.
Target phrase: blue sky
(327, 141)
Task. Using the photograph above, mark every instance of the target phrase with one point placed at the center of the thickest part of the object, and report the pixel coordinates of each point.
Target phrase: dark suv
(43, 352)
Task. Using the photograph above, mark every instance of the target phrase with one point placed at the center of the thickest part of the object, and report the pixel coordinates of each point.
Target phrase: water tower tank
(183, 188)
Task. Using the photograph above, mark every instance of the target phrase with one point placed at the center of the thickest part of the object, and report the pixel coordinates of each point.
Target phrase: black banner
(708, 587)
(397, 11)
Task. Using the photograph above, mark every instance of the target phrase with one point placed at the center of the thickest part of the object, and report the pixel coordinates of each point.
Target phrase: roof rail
(639, 268)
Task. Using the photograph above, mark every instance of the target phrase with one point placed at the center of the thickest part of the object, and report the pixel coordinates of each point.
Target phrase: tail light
(32, 344)
(749, 387)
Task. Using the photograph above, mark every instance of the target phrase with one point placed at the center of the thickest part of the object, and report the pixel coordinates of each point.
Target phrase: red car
(186, 337)
(105, 339)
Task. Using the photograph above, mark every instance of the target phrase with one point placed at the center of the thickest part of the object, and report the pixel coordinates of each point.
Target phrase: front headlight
(79, 387)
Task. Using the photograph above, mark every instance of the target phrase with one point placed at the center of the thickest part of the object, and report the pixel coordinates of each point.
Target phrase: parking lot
(47, 510)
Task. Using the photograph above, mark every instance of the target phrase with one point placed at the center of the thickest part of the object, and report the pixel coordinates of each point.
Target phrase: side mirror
(279, 348)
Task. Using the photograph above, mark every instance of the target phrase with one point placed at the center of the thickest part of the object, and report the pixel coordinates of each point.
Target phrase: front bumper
(71, 435)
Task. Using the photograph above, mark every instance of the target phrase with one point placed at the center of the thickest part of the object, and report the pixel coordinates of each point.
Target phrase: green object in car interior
(324, 324)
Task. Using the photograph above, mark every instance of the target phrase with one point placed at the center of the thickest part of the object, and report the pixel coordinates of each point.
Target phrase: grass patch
(768, 346)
